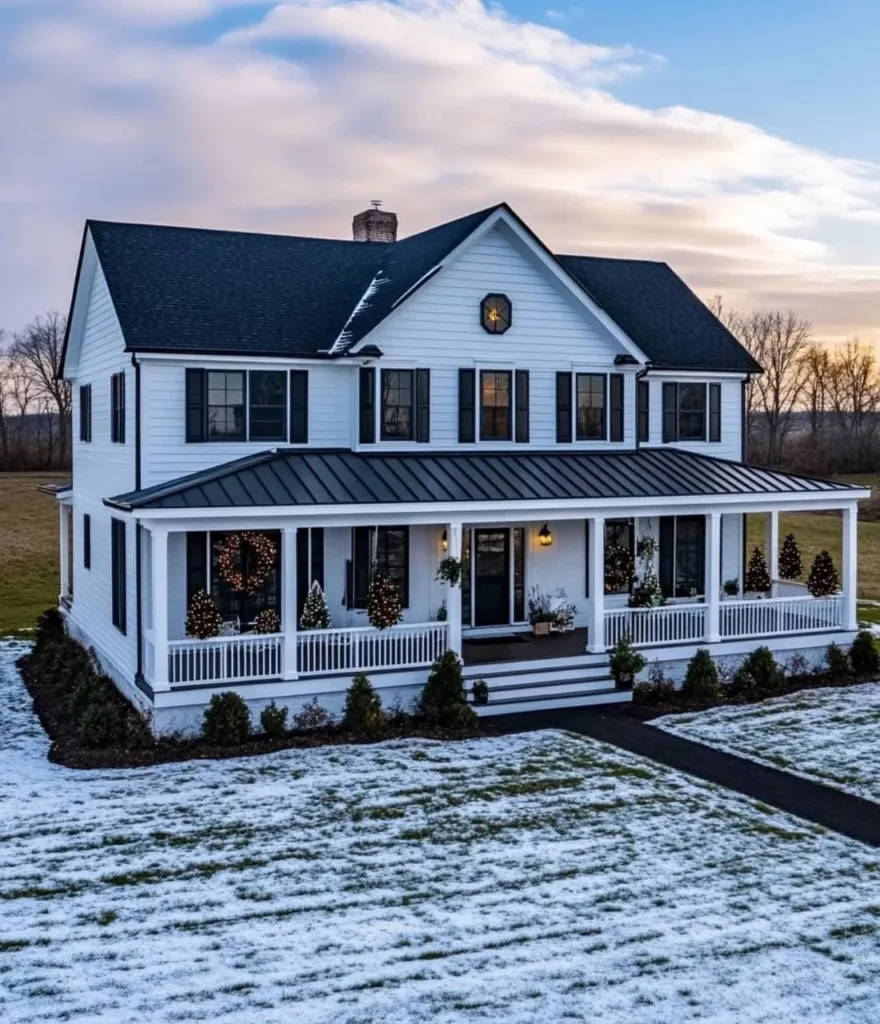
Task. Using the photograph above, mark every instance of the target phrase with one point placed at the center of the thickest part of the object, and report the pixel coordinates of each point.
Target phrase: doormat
(493, 641)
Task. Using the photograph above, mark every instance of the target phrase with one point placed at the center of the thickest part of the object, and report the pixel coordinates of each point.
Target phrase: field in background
(29, 546)
(28, 549)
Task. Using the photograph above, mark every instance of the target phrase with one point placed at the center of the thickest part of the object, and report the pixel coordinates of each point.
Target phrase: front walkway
(841, 812)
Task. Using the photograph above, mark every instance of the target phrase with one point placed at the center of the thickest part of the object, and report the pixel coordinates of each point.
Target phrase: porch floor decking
(526, 647)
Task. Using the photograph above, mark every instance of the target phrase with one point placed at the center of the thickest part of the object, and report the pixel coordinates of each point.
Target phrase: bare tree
(817, 370)
(37, 351)
(778, 341)
(854, 395)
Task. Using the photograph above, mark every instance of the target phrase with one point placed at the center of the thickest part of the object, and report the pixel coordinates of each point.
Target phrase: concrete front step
(541, 677)
(545, 703)
(547, 688)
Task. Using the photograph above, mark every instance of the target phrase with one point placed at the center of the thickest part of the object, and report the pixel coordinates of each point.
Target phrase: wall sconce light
(444, 541)
(545, 537)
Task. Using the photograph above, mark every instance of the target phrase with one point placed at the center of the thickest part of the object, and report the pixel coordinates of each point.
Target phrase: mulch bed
(682, 706)
(50, 706)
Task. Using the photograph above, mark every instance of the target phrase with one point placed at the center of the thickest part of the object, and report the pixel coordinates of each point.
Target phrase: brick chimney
(374, 225)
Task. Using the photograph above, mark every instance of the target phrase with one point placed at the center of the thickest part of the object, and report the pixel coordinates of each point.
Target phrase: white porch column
(63, 553)
(289, 667)
(453, 594)
(771, 550)
(850, 565)
(713, 577)
(596, 555)
(159, 552)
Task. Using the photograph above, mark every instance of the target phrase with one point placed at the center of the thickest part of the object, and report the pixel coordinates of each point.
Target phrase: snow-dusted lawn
(830, 736)
(523, 879)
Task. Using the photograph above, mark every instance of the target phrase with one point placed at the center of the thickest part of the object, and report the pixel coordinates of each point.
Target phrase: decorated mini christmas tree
(823, 579)
(202, 618)
(315, 613)
(383, 602)
(267, 621)
(790, 565)
(757, 577)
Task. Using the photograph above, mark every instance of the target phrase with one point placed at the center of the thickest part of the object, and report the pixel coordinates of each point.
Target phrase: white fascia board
(488, 512)
(79, 309)
(234, 361)
(555, 269)
(697, 375)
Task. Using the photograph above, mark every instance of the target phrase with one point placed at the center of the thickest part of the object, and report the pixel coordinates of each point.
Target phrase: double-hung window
(590, 402)
(682, 555)
(691, 411)
(495, 405)
(225, 406)
(398, 404)
(268, 405)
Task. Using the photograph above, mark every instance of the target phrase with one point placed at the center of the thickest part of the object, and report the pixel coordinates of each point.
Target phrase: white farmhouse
(377, 405)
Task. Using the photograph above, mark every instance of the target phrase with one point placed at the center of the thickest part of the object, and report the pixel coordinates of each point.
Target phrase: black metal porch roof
(289, 476)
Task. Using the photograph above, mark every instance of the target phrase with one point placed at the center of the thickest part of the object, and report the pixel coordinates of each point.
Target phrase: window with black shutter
(684, 412)
(615, 407)
(467, 384)
(682, 555)
(367, 406)
(644, 407)
(85, 412)
(398, 405)
(423, 405)
(226, 405)
(117, 573)
(590, 413)
(87, 541)
(299, 406)
(383, 550)
(117, 408)
(495, 402)
(563, 407)
(521, 393)
(714, 412)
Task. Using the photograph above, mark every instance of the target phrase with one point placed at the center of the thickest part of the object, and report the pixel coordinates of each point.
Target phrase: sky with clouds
(729, 146)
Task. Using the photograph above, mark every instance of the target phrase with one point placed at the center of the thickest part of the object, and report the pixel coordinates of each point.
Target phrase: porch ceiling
(329, 477)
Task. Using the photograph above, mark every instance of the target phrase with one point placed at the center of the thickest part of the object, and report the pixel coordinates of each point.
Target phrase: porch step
(577, 699)
(527, 672)
(549, 688)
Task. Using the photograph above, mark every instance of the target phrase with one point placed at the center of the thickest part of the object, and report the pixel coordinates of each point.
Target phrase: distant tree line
(815, 408)
(34, 401)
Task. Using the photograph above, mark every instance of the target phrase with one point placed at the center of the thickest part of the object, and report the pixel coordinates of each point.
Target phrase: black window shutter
(521, 385)
(299, 407)
(563, 407)
(423, 405)
(117, 566)
(196, 405)
(644, 406)
(367, 402)
(586, 557)
(303, 583)
(363, 556)
(615, 405)
(714, 412)
(667, 555)
(670, 412)
(87, 541)
(196, 563)
(318, 555)
(117, 408)
(467, 383)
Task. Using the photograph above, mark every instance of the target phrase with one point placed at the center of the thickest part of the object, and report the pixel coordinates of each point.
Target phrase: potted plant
(449, 571)
(540, 616)
(563, 612)
(442, 614)
(480, 691)
(626, 663)
(731, 588)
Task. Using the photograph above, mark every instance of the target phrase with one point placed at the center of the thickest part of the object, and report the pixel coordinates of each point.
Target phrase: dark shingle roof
(198, 290)
(290, 477)
(660, 313)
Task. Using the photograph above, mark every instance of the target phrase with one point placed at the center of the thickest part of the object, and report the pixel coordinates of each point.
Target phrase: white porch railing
(662, 625)
(362, 648)
(743, 619)
(225, 659)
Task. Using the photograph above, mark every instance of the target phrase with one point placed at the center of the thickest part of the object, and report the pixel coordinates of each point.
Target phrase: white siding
(730, 445)
(438, 327)
(166, 453)
(102, 469)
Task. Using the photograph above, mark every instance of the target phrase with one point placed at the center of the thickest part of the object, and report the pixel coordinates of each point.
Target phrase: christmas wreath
(619, 568)
(246, 560)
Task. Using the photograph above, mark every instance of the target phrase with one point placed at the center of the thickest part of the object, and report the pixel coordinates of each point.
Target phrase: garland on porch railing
(383, 602)
(239, 549)
(315, 613)
(823, 579)
(202, 618)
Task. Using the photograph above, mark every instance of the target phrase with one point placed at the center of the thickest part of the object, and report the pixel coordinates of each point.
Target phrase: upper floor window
(226, 405)
(267, 391)
(397, 405)
(117, 408)
(691, 411)
(85, 412)
(590, 407)
(496, 314)
(495, 395)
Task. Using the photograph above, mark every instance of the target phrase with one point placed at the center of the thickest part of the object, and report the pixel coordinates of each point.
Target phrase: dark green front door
(491, 577)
